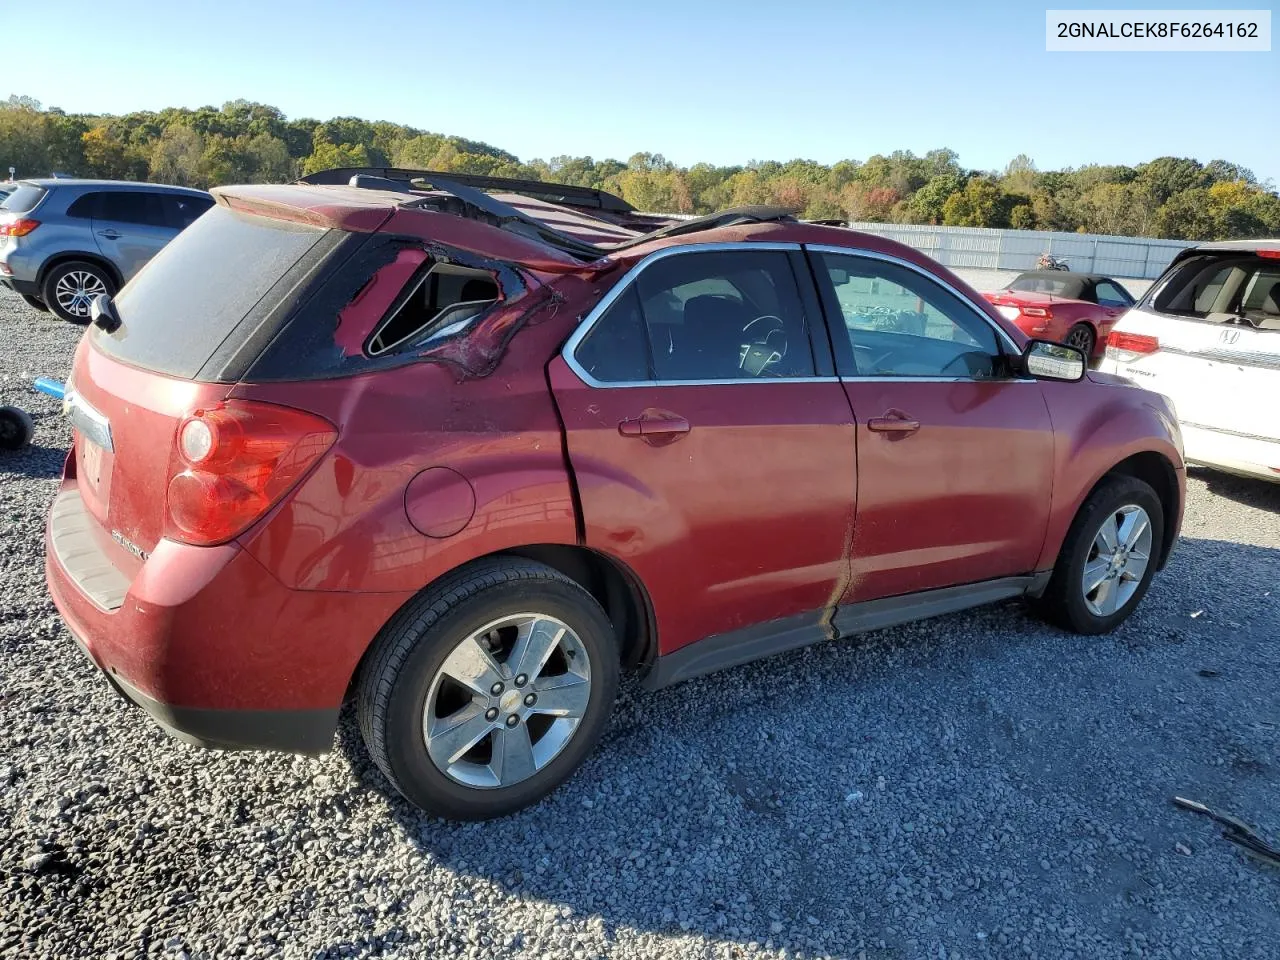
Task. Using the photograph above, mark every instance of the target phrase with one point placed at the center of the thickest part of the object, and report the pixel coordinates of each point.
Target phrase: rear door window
(176, 313)
(131, 206)
(703, 317)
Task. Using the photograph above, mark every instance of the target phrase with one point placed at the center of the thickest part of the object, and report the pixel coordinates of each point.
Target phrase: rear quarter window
(177, 311)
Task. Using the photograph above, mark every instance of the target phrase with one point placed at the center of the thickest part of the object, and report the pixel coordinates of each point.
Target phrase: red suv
(464, 458)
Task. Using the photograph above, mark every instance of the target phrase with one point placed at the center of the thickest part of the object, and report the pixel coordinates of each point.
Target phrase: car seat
(708, 345)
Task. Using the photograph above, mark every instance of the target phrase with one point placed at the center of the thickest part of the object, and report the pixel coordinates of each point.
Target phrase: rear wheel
(1081, 337)
(70, 287)
(485, 693)
(35, 303)
(1108, 558)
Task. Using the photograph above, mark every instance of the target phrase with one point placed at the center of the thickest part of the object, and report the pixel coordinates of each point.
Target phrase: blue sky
(717, 81)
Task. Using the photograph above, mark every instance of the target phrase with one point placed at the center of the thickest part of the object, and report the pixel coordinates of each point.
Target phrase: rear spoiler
(552, 192)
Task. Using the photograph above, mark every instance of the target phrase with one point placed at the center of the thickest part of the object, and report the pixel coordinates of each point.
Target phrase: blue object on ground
(53, 388)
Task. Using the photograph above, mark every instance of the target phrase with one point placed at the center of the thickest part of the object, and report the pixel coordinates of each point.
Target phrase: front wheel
(486, 692)
(70, 287)
(1108, 558)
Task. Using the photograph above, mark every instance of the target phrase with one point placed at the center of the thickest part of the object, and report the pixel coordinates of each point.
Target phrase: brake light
(1126, 347)
(1044, 312)
(1270, 254)
(233, 462)
(17, 228)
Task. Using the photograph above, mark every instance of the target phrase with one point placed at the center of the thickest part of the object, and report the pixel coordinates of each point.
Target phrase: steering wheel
(761, 353)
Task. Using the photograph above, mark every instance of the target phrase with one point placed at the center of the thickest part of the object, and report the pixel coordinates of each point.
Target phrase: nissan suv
(467, 457)
(64, 241)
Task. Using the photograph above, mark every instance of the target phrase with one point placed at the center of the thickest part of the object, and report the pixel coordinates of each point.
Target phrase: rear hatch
(1207, 335)
(221, 288)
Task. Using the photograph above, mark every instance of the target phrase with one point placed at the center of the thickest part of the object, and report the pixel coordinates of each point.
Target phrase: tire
(16, 428)
(1065, 601)
(404, 677)
(35, 303)
(69, 286)
(1082, 337)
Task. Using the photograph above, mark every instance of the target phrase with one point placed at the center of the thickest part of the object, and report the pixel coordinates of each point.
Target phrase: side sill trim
(790, 633)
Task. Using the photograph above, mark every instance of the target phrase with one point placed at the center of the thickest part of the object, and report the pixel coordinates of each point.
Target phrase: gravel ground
(976, 786)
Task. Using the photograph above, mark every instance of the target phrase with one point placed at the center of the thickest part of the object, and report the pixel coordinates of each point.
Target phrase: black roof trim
(508, 216)
(553, 192)
(416, 189)
(724, 218)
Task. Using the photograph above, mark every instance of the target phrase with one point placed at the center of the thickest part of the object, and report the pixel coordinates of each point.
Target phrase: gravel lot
(975, 786)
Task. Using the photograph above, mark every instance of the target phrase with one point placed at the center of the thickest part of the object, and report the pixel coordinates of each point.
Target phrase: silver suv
(63, 242)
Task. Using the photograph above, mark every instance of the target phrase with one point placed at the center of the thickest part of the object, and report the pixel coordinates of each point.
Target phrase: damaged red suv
(465, 456)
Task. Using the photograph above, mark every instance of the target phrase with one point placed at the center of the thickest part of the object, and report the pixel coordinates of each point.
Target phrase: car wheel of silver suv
(69, 288)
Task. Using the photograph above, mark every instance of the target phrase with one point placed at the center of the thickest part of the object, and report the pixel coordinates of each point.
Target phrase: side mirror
(102, 313)
(1046, 360)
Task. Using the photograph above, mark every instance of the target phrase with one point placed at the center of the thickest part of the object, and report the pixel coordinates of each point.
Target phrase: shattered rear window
(438, 302)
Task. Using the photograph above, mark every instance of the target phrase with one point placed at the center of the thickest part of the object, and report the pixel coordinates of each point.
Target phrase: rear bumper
(28, 288)
(207, 641)
(289, 731)
(1244, 455)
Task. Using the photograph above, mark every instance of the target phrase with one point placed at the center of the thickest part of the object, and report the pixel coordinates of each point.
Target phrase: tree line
(246, 142)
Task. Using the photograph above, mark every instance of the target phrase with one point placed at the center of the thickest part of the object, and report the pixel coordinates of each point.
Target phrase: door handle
(648, 425)
(893, 422)
(109, 234)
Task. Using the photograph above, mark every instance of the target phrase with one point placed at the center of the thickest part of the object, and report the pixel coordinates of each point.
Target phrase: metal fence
(1016, 250)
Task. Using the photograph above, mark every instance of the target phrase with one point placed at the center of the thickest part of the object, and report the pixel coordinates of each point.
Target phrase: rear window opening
(1218, 289)
(438, 302)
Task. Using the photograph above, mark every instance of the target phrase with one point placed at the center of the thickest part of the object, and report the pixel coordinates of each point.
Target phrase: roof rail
(554, 192)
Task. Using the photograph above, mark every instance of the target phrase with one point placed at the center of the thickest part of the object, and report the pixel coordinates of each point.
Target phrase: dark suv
(64, 241)
(465, 458)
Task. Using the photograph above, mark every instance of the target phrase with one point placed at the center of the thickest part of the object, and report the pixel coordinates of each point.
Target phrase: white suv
(1207, 335)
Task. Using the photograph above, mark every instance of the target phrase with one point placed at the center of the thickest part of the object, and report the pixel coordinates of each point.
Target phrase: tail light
(17, 228)
(235, 461)
(1042, 316)
(1127, 347)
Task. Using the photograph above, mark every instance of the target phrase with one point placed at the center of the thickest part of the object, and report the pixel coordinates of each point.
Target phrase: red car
(1078, 309)
(420, 447)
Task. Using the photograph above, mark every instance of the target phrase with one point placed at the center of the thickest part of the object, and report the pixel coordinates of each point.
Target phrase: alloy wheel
(507, 700)
(1081, 339)
(1117, 560)
(76, 289)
